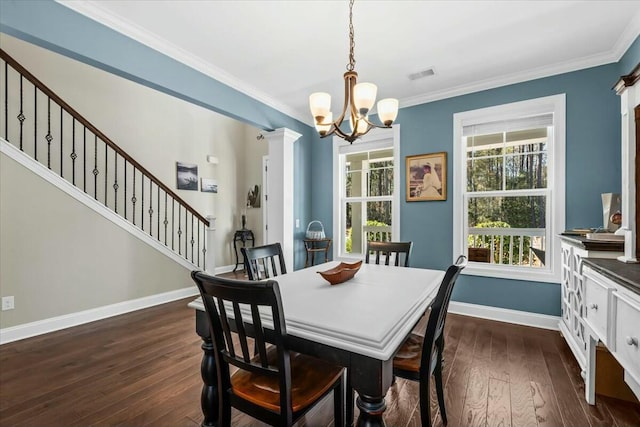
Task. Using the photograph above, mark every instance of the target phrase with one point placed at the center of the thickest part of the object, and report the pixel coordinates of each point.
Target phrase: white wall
(157, 130)
(58, 257)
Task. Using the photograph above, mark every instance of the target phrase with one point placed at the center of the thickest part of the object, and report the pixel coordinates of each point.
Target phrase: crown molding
(628, 36)
(519, 77)
(92, 10)
(626, 39)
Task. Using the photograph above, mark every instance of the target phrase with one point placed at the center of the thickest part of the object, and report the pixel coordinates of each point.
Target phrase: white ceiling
(281, 51)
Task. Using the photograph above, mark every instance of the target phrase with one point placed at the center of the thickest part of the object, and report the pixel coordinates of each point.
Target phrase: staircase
(42, 126)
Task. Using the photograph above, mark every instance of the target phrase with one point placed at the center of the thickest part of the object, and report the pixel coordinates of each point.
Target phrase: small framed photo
(186, 176)
(426, 177)
(208, 185)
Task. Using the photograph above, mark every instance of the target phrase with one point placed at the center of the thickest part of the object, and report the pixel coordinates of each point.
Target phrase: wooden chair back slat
(260, 342)
(263, 262)
(225, 328)
(242, 336)
(388, 250)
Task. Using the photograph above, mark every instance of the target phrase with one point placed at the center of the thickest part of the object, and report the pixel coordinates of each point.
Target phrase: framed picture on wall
(186, 176)
(426, 177)
(208, 185)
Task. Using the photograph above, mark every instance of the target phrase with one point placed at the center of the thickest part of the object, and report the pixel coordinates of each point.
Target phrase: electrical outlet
(297, 223)
(7, 303)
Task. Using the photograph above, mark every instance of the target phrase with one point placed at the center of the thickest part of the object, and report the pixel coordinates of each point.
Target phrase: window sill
(512, 273)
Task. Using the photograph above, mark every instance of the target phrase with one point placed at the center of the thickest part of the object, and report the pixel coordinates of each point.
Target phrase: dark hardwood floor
(143, 368)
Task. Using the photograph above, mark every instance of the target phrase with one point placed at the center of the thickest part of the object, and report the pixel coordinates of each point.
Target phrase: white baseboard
(525, 318)
(225, 269)
(53, 324)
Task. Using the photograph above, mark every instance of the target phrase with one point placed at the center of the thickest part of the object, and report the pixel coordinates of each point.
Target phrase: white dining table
(359, 324)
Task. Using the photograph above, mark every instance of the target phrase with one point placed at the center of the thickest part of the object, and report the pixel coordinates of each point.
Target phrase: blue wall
(592, 166)
(58, 28)
(630, 59)
(593, 137)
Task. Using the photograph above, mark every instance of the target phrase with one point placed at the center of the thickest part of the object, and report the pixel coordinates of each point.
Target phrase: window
(366, 201)
(509, 178)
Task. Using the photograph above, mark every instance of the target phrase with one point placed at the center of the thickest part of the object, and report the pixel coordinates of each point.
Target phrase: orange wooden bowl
(341, 273)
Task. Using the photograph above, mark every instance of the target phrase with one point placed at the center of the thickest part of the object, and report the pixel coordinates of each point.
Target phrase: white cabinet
(573, 304)
(613, 317)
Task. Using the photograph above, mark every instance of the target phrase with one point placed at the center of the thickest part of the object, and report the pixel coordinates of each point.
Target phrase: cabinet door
(577, 302)
(565, 289)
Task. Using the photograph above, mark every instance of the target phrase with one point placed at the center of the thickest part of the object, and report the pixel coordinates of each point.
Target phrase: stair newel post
(209, 252)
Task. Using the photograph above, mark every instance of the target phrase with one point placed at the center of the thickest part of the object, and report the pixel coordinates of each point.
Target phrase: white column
(210, 257)
(629, 98)
(280, 186)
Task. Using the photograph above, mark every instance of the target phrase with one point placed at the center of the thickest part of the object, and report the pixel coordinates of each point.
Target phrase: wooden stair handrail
(44, 89)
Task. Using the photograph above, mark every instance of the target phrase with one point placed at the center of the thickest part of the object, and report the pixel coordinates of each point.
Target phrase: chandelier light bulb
(324, 127)
(320, 104)
(387, 110)
(364, 96)
(361, 127)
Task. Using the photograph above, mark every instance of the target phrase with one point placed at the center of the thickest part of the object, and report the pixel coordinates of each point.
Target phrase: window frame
(555, 104)
(375, 139)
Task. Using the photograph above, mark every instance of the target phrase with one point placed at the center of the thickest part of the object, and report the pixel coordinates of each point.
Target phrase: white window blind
(521, 123)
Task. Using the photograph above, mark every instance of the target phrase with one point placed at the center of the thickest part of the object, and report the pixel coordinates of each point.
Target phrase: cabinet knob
(594, 306)
(632, 341)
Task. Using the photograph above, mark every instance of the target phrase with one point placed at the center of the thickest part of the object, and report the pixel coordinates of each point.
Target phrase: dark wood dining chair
(276, 386)
(420, 357)
(263, 262)
(388, 251)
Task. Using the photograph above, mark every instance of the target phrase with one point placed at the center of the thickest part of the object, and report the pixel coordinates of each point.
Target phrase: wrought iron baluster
(173, 223)
(204, 247)
(179, 232)
(115, 182)
(150, 207)
(61, 143)
(133, 198)
(158, 234)
(198, 243)
(142, 201)
(84, 159)
(125, 188)
(106, 174)
(95, 167)
(186, 235)
(192, 240)
(35, 123)
(6, 101)
(21, 116)
(48, 136)
(166, 222)
(73, 150)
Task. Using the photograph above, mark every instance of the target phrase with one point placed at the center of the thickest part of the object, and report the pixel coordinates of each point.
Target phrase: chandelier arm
(374, 124)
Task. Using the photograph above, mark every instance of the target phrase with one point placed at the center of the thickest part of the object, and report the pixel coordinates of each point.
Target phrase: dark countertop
(627, 275)
(594, 245)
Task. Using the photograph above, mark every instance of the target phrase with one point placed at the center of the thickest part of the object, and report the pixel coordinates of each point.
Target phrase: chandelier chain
(352, 45)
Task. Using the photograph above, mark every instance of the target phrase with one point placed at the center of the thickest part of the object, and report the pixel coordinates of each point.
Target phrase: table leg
(209, 396)
(371, 410)
(371, 378)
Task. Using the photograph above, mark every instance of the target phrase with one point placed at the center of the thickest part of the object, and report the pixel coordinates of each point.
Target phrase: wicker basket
(315, 234)
(341, 273)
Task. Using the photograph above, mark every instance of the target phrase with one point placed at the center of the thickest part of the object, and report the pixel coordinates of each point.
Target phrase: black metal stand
(243, 236)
